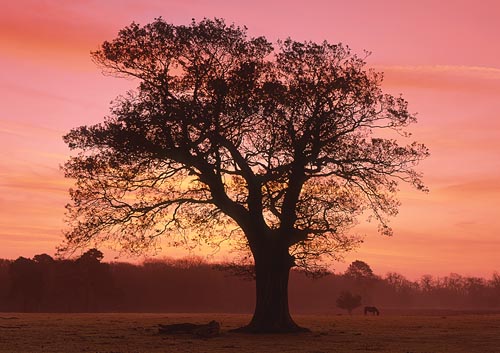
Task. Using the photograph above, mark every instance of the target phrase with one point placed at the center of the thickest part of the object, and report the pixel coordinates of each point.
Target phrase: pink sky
(443, 56)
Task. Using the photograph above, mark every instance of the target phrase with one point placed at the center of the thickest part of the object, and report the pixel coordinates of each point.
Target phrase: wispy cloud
(476, 71)
(472, 79)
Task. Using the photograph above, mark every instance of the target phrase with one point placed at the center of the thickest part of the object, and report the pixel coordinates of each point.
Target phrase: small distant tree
(46, 267)
(91, 256)
(403, 289)
(361, 278)
(95, 277)
(348, 301)
(359, 270)
(4, 283)
(494, 284)
(399, 282)
(495, 281)
(427, 283)
(26, 284)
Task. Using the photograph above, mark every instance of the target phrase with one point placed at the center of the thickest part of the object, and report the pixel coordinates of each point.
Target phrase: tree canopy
(359, 270)
(226, 132)
(348, 301)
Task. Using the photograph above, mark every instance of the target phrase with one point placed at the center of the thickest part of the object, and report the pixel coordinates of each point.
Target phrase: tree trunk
(272, 314)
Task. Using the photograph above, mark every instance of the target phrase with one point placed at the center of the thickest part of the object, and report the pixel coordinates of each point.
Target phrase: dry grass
(136, 333)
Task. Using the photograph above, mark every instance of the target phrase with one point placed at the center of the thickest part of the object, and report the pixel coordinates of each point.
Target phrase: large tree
(227, 138)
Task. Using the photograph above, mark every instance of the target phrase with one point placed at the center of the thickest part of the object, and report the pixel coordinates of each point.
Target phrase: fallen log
(211, 329)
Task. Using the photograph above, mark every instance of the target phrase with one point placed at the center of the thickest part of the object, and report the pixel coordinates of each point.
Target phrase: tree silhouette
(46, 267)
(95, 278)
(26, 287)
(359, 270)
(348, 301)
(402, 286)
(362, 277)
(4, 283)
(228, 138)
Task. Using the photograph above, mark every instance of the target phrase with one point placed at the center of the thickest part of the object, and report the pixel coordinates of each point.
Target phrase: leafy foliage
(359, 270)
(348, 301)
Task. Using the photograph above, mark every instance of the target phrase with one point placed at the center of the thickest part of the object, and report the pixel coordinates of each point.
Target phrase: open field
(134, 333)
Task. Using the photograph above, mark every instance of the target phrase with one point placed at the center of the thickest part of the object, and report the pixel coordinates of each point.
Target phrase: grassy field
(134, 333)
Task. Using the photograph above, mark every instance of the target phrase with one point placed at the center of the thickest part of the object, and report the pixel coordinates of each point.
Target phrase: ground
(137, 333)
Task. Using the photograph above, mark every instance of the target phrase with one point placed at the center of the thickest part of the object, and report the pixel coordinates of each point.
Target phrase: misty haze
(249, 176)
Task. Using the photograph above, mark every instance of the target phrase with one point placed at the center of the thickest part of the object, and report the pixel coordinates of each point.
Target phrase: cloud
(476, 71)
(478, 186)
(473, 79)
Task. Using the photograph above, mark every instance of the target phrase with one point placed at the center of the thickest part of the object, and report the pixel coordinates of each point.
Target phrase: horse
(371, 309)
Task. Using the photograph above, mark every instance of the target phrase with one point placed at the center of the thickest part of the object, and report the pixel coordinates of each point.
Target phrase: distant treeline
(86, 284)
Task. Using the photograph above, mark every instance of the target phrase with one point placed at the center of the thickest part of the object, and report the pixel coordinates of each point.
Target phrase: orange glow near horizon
(442, 57)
